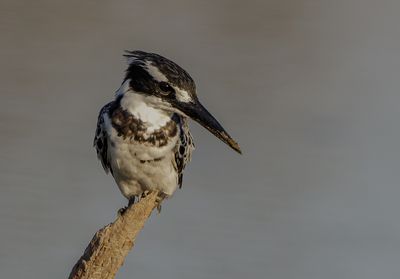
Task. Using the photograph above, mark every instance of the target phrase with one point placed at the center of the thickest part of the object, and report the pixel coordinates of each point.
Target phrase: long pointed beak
(197, 112)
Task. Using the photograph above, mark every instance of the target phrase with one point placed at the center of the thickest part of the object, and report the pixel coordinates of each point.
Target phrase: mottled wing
(184, 149)
(101, 140)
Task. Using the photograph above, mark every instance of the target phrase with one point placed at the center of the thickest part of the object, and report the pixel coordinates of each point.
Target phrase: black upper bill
(197, 112)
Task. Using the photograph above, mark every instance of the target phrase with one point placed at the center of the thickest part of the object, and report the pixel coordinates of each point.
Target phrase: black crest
(142, 81)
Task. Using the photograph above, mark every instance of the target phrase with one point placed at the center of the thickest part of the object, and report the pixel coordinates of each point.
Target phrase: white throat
(144, 108)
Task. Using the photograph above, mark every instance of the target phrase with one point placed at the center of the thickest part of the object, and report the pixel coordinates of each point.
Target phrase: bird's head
(171, 88)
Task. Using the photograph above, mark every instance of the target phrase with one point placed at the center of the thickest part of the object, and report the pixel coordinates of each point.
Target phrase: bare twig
(107, 250)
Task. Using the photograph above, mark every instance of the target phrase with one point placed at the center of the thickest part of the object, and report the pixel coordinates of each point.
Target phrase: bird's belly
(139, 167)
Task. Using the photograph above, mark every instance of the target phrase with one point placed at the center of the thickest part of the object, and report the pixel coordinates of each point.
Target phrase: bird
(142, 136)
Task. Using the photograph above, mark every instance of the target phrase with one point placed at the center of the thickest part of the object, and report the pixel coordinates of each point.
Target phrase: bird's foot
(122, 210)
(145, 194)
(160, 198)
(131, 200)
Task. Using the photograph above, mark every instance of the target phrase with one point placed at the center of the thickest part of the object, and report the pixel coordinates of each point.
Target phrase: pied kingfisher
(142, 136)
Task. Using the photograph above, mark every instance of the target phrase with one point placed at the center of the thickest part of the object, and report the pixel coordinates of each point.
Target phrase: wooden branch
(107, 250)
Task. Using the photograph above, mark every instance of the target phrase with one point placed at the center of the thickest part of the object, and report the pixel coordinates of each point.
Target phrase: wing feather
(100, 141)
(184, 149)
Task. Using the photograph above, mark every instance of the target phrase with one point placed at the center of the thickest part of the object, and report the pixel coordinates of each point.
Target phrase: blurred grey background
(310, 88)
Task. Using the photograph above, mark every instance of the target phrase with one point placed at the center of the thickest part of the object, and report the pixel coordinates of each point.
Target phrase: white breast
(140, 166)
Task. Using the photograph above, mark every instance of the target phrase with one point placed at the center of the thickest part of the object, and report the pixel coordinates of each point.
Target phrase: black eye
(166, 89)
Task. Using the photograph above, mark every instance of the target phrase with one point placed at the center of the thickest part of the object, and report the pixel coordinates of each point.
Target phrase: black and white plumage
(142, 136)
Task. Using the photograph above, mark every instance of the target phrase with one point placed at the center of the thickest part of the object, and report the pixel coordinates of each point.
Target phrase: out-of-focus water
(309, 88)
